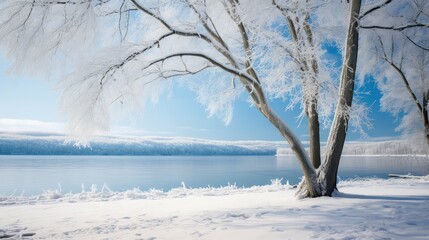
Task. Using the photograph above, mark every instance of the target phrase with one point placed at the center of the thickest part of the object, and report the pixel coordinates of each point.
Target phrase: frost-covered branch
(395, 52)
(302, 36)
(224, 67)
(396, 28)
(399, 70)
(232, 9)
(205, 19)
(409, 79)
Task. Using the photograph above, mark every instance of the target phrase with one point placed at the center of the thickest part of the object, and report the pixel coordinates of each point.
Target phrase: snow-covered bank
(365, 209)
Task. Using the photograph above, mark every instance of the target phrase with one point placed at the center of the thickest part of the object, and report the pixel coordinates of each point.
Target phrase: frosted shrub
(276, 181)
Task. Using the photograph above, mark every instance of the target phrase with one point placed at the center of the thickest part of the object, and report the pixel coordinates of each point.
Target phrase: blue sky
(177, 114)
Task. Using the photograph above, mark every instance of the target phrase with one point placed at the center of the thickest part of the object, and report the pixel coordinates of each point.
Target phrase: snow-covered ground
(365, 209)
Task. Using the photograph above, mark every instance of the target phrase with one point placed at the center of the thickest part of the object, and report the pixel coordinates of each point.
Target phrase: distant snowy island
(392, 147)
(43, 143)
(38, 143)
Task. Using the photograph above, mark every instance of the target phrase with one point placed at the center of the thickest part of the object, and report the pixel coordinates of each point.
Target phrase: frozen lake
(30, 175)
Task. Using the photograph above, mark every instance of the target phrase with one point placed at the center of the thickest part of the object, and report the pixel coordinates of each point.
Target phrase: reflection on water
(34, 174)
(380, 166)
(369, 166)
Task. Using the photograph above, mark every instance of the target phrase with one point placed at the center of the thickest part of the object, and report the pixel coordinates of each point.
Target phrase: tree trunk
(314, 134)
(312, 187)
(425, 116)
(311, 108)
(337, 135)
(310, 102)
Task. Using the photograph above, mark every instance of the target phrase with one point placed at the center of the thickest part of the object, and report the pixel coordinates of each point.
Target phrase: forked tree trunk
(325, 182)
(309, 172)
(310, 176)
(327, 172)
(329, 169)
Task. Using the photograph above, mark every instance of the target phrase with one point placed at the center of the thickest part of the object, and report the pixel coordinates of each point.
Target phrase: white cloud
(378, 139)
(29, 125)
(194, 129)
(129, 131)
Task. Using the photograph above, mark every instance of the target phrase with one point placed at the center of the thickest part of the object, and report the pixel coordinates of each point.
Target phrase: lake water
(30, 175)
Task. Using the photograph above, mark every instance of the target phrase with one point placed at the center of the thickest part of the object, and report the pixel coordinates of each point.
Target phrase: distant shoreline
(212, 155)
(37, 143)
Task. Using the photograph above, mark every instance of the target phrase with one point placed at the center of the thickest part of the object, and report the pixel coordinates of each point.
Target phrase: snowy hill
(54, 144)
(43, 143)
(392, 147)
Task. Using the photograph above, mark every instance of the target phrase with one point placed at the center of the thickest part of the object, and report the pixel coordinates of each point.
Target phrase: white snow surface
(364, 209)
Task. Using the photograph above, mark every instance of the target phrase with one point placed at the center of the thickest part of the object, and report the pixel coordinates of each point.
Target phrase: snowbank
(105, 194)
(365, 209)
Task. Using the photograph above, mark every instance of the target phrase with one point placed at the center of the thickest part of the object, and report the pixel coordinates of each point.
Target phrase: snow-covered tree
(396, 48)
(220, 48)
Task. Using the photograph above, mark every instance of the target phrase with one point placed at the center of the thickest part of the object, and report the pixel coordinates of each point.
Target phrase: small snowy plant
(111, 54)
(276, 181)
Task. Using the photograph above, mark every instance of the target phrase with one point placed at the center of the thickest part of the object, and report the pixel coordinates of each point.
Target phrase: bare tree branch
(401, 73)
(245, 41)
(213, 33)
(233, 71)
(407, 84)
(400, 28)
(374, 9)
(414, 43)
(63, 2)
